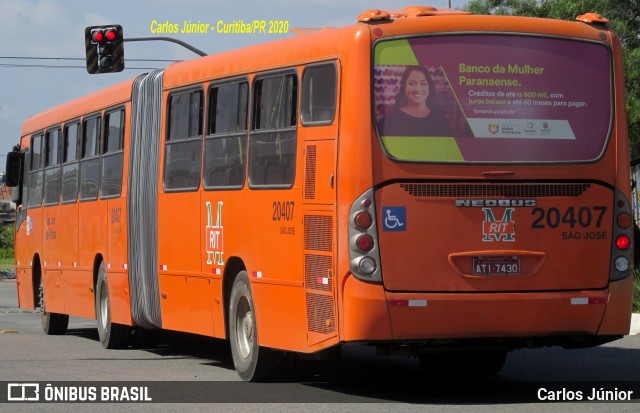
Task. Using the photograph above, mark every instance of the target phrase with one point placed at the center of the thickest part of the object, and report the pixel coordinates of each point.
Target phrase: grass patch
(7, 264)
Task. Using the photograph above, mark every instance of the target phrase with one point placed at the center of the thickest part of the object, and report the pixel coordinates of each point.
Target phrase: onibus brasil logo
(498, 230)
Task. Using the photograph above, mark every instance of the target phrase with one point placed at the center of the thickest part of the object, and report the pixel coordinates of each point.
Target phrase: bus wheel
(53, 324)
(463, 364)
(252, 362)
(112, 335)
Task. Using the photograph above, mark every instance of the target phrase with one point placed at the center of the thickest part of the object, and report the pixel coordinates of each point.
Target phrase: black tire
(463, 364)
(252, 362)
(112, 335)
(53, 324)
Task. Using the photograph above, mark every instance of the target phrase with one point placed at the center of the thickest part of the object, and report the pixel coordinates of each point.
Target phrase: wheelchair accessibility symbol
(394, 218)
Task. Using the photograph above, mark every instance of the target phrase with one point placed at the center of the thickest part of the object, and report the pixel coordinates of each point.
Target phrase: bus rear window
(492, 98)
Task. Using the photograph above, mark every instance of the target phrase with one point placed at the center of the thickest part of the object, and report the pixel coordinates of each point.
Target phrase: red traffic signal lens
(97, 36)
(111, 35)
(105, 62)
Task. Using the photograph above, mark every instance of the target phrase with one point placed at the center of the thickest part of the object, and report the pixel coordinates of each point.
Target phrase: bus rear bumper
(372, 314)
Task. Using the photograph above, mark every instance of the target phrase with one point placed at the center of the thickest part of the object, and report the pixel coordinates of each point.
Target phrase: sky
(55, 29)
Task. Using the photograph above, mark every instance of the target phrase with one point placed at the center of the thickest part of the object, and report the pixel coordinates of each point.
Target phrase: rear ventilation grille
(495, 190)
(320, 316)
(310, 173)
(317, 233)
(317, 270)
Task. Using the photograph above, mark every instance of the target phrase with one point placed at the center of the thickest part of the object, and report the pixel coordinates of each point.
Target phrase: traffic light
(105, 49)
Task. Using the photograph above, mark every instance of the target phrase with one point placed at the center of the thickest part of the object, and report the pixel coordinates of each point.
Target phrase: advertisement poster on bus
(493, 98)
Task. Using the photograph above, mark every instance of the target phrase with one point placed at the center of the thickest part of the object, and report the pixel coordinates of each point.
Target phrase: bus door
(319, 118)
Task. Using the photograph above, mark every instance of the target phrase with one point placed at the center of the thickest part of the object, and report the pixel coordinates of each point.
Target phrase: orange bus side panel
(365, 315)
(53, 291)
(116, 222)
(33, 239)
(178, 229)
(67, 235)
(616, 318)
(280, 316)
(119, 297)
(218, 309)
(52, 219)
(173, 301)
(78, 293)
(200, 293)
(24, 282)
(92, 232)
(187, 304)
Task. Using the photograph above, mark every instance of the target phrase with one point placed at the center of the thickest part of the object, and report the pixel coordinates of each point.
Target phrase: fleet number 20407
(573, 218)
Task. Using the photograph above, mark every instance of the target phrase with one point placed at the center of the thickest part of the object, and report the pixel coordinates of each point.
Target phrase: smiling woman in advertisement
(415, 112)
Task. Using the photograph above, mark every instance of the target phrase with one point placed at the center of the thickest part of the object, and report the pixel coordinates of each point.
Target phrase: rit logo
(498, 230)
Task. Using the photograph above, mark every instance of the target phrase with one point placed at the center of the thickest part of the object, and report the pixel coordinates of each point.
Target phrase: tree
(7, 236)
(624, 16)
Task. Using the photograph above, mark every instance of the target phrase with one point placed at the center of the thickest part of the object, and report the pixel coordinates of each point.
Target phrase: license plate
(507, 266)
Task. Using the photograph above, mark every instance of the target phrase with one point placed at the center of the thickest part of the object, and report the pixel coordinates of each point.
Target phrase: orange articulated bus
(428, 182)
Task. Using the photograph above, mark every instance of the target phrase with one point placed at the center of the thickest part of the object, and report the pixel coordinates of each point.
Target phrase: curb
(635, 324)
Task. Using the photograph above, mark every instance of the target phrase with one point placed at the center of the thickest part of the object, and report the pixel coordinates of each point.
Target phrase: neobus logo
(498, 230)
(495, 202)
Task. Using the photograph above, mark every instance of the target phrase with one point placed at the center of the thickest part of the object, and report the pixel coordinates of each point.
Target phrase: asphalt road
(361, 381)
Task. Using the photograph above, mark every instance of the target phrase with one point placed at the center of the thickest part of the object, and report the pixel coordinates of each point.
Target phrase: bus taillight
(367, 265)
(621, 248)
(365, 242)
(363, 220)
(623, 242)
(363, 234)
(624, 220)
(622, 264)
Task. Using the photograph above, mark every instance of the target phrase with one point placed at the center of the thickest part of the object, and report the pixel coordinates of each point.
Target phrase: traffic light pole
(166, 39)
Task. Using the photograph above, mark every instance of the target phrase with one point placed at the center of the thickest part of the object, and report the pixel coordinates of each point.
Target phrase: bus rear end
(500, 215)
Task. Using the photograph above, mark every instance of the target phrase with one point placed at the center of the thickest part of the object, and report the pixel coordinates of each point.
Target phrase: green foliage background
(624, 16)
(7, 238)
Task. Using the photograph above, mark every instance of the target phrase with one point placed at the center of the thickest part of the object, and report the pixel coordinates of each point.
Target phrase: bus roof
(109, 96)
(319, 45)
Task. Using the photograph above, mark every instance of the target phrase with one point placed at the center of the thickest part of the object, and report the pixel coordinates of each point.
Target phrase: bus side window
(70, 163)
(21, 211)
(226, 142)
(90, 163)
(319, 87)
(183, 148)
(52, 167)
(272, 152)
(113, 155)
(35, 174)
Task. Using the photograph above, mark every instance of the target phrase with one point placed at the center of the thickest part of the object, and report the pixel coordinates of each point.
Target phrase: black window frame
(66, 162)
(39, 168)
(208, 137)
(104, 154)
(50, 167)
(254, 131)
(86, 159)
(312, 123)
(168, 142)
(21, 213)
